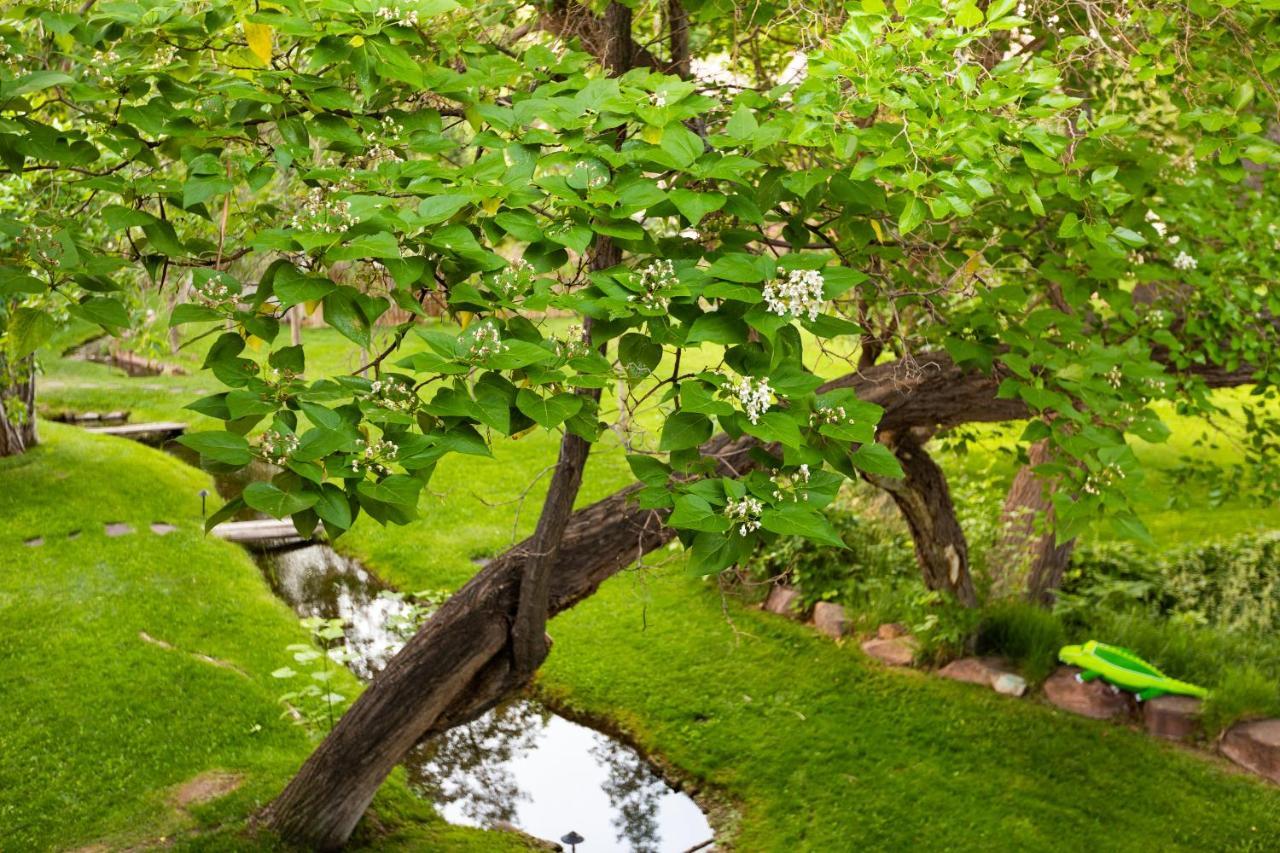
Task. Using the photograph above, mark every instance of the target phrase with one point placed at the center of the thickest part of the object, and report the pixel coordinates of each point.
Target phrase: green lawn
(813, 747)
(100, 725)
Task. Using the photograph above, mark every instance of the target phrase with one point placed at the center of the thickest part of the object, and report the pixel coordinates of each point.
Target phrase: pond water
(520, 764)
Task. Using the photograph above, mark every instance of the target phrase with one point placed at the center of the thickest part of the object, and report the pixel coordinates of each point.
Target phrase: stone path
(113, 529)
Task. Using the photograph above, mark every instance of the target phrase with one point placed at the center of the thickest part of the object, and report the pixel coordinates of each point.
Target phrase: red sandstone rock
(891, 631)
(1173, 717)
(898, 651)
(1255, 746)
(829, 619)
(1095, 699)
(783, 600)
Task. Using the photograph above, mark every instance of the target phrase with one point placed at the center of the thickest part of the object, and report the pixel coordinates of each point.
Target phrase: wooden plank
(145, 433)
(258, 532)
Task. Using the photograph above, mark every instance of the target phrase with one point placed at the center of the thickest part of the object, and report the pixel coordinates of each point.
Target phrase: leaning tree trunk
(1028, 559)
(17, 405)
(924, 499)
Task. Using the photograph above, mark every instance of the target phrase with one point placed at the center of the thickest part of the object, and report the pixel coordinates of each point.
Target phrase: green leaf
(274, 501)
(684, 430)
(799, 520)
(742, 268)
(29, 329)
(912, 215)
(104, 311)
(219, 446)
(682, 144)
(189, 312)
(695, 205)
(877, 459)
(694, 513)
(34, 82)
(333, 507)
(548, 412)
(440, 208)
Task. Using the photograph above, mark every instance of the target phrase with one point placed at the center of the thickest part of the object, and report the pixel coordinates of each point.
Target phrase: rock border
(1252, 744)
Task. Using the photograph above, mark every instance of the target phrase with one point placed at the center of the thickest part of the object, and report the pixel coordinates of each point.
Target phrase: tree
(952, 215)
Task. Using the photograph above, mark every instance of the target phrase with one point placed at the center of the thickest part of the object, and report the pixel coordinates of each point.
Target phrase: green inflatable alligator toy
(1122, 668)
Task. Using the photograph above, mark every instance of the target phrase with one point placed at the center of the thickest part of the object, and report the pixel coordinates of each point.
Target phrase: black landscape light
(573, 839)
(204, 493)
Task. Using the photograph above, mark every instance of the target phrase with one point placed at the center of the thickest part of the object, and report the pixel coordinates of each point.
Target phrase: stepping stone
(892, 631)
(162, 528)
(829, 619)
(34, 542)
(783, 600)
(118, 528)
(898, 651)
(1172, 717)
(205, 787)
(983, 671)
(1255, 746)
(1095, 699)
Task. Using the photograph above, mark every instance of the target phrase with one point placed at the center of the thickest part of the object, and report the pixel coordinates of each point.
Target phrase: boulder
(1255, 746)
(783, 600)
(1172, 717)
(829, 619)
(898, 651)
(891, 631)
(982, 671)
(1010, 684)
(1095, 699)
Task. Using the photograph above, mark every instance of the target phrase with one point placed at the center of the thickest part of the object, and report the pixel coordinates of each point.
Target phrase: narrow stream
(520, 764)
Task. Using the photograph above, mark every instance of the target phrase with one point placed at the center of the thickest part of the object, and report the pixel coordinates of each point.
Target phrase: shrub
(1242, 692)
(1028, 635)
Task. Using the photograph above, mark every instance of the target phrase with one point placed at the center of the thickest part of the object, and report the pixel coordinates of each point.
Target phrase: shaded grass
(98, 724)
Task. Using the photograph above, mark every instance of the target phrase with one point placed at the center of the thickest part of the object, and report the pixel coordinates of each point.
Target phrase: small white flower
(1185, 262)
(800, 295)
(745, 513)
(755, 398)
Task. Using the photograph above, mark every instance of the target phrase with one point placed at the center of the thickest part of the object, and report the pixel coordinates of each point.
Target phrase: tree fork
(1028, 559)
(924, 499)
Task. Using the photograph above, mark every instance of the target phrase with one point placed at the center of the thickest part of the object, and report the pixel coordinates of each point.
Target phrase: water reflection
(315, 580)
(522, 765)
(518, 765)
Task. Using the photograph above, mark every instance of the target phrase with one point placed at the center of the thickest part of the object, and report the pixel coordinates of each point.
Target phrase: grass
(816, 748)
(99, 724)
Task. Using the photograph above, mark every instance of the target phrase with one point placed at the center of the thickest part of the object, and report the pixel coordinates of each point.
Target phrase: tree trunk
(678, 24)
(17, 405)
(924, 499)
(1028, 559)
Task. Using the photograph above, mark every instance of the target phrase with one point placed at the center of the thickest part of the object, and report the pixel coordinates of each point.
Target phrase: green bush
(1241, 692)
(1028, 635)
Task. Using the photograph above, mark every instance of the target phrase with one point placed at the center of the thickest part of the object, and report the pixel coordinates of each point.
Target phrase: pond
(520, 764)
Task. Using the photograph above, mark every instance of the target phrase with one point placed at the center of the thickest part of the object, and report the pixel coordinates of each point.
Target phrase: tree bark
(924, 499)
(17, 405)
(678, 24)
(1028, 559)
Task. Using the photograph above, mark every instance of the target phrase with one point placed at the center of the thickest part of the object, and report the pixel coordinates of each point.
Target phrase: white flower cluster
(824, 414)
(511, 281)
(799, 295)
(392, 394)
(486, 342)
(745, 513)
(277, 446)
(754, 397)
(658, 99)
(784, 484)
(1183, 261)
(320, 213)
(655, 277)
(1095, 483)
(373, 456)
(1115, 376)
(575, 344)
(214, 293)
(394, 15)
